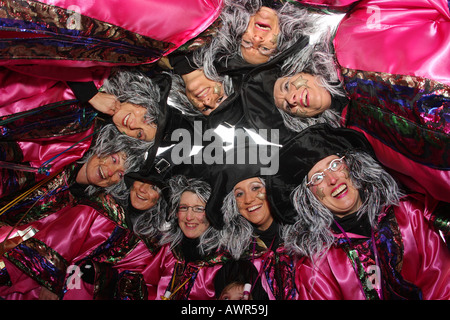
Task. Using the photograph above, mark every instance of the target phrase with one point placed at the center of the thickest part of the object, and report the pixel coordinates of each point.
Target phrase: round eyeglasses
(317, 178)
(196, 209)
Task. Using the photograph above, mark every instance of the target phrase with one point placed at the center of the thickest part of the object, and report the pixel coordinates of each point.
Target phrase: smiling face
(143, 196)
(301, 95)
(259, 42)
(250, 195)
(130, 120)
(103, 172)
(206, 95)
(193, 224)
(336, 191)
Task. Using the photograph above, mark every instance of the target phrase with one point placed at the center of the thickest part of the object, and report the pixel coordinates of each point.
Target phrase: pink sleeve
(426, 259)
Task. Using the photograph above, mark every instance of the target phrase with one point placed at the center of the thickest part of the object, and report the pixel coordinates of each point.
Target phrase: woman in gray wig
(255, 31)
(109, 143)
(137, 114)
(190, 256)
(359, 237)
(308, 90)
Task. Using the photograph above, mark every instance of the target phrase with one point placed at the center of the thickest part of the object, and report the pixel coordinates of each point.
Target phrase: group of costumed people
(232, 150)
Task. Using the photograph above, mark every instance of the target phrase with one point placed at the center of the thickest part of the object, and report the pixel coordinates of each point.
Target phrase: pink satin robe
(399, 38)
(74, 233)
(426, 262)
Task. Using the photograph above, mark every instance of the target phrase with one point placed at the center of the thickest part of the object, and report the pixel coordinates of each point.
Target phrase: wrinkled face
(193, 224)
(130, 120)
(233, 291)
(250, 195)
(206, 95)
(259, 42)
(143, 195)
(105, 171)
(301, 95)
(336, 191)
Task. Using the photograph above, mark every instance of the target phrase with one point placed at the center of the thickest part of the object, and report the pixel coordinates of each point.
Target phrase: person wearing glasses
(189, 256)
(358, 235)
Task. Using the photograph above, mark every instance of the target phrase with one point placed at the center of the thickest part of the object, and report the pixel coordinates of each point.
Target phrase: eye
(139, 134)
(256, 187)
(238, 194)
(317, 178)
(246, 44)
(219, 101)
(335, 164)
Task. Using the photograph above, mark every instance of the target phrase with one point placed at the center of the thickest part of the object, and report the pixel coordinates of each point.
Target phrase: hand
(105, 103)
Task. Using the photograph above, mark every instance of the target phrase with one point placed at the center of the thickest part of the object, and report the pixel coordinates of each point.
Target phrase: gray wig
(297, 124)
(294, 23)
(319, 61)
(311, 234)
(136, 88)
(238, 232)
(172, 233)
(179, 100)
(109, 141)
(151, 221)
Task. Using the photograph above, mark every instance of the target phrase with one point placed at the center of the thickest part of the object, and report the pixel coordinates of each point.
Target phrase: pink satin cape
(74, 232)
(426, 262)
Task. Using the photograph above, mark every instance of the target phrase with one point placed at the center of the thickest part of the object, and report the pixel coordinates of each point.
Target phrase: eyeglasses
(317, 178)
(196, 209)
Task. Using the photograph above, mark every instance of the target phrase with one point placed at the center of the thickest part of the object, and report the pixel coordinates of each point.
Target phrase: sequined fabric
(410, 114)
(41, 263)
(56, 119)
(279, 270)
(389, 246)
(50, 197)
(52, 32)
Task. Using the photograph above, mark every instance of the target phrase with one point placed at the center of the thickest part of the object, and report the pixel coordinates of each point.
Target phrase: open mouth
(202, 94)
(339, 191)
(191, 225)
(125, 120)
(263, 26)
(101, 173)
(305, 98)
(254, 208)
(141, 197)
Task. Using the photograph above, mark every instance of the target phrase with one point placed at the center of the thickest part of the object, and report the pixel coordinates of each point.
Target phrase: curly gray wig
(172, 233)
(134, 87)
(109, 141)
(311, 234)
(294, 21)
(317, 60)
(238, 232)
(179, 100)
(151, 221)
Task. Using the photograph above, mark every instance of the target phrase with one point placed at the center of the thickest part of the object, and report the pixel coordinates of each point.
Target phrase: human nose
(248, 198)
(257, 39)
(292, 97)
(331, 177)
(190, 214)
